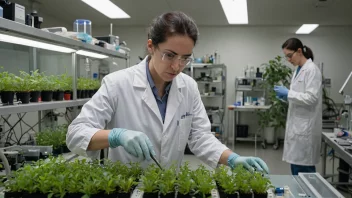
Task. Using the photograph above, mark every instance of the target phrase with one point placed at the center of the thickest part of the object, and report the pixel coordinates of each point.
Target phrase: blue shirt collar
(150, 79)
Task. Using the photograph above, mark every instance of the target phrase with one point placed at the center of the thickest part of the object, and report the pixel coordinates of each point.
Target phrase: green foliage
(56, 177)
(241, 180)
(204, 180)
(168, 181)
(150, 179)
(276, 73)
(185, 183)
(87, 84)
(7, 82)
(55, 137)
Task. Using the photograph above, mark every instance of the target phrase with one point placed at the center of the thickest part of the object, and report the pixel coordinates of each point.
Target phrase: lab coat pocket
(301, 126)
(184, 128)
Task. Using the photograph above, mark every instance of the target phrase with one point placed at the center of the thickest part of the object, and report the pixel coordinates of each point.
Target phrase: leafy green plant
(55, 137)
(150, 179)
(168, 180)
(185, 183)
(8, 82)
(47, 83)
(126, 184)
(204, 181)
(276, 73)
(242, 179)
(259, 184)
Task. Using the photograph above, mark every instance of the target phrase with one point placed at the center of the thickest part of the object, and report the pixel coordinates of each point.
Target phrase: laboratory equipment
(111, 39)
(13, 11)
(82, 26)
(34, 20)
(348, 103)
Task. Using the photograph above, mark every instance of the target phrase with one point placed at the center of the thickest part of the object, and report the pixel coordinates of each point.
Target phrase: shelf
(206, 65)
(216, 96)
(248, 78)
(40, 106)
(248, 139)
(248, 89)
(209, 82)
(248, 108)
(20, 29)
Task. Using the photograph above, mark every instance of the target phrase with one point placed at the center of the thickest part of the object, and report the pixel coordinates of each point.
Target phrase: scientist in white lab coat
(304, 119)
(152, 108)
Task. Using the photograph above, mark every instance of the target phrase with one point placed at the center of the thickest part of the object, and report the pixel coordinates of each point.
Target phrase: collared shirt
(162, 102)
(297, 71)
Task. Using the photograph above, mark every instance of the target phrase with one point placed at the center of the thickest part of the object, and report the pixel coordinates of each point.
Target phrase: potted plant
(36, 79)
(167, 183)
(204, 181)
(48, 86)
(60, 86)
(276, 73)
(260, 185)
(226, 182)
(8, 87)
(68, 95)
(24, 86)
(53, 137)
(185, 184)
(150, 181)
(80, 88)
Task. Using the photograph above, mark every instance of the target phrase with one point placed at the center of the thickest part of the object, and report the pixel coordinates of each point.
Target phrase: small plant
(185, 183)
(167, 181)
(259, 183)
(48, 83)
(126, 184)
(55, 137)
(150, 179)
(204, 181)
(8, 82)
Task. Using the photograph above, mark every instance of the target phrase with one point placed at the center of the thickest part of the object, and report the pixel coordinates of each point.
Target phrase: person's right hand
(134, 142)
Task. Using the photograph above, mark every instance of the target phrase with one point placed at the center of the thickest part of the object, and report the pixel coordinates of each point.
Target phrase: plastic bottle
(252, 72)
(215, 58)
(247, 72)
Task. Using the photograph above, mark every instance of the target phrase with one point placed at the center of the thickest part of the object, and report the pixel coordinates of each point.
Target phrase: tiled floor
(272, 157)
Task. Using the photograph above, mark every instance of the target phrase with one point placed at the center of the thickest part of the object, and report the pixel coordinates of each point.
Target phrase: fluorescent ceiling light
(107, 8)
(307, 28)
(235, 10)
(91, 54)
(31, 43)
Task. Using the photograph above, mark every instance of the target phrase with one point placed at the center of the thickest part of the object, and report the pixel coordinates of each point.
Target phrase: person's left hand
(248, 163)
(281, 91)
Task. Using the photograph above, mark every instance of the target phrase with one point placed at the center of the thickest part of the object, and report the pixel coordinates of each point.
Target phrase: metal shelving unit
(217, 81)
(21, 31)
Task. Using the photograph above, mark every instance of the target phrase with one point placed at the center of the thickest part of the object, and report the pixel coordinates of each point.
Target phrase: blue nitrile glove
(281, 91)
(134, 142)
(248, 163)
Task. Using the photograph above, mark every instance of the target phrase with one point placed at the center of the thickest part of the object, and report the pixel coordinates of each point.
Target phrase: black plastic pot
(35, 96)
(24, 195)
(169, 195)
(91, 93)
(74, 195)
(65, 149)
(100, 195)
(245, 195)
(230, 196)
(7, 97)
(23, 97)
(261, 195)
(13, 194)
(79, 93)
(47, 96)
(86, 93)
(59, 95)
(57, 151)
(124, 195)
(54, 95)
(185, 196)
(150, 195)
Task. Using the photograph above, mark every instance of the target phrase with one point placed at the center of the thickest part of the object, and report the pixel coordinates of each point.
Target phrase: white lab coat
(304, 119)
(125, 100)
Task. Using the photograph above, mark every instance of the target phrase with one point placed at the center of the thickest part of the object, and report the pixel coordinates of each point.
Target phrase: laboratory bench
(339, 146)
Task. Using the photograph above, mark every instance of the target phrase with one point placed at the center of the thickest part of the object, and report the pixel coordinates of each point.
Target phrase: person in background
(153, 108)
(304, 117)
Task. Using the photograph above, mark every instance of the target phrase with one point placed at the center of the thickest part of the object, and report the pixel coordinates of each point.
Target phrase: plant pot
(59, 95)
(35, 96)
(35, 195)
(169, 195)
(185, 196)
(65, 149)
(54, 95)
(124, 195)
(47, 96)
(13, 195)
(74, 195)
(86, 93)
(260, 195)
(79, 93)
(150, 195)
(229, 195)
(245, 195)
(7, 97)
(57, 151)
(67, 96)
(100, 195)
(23, 97)
(91, 93)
